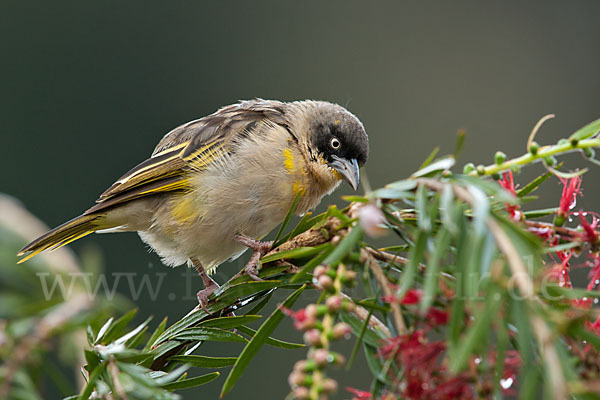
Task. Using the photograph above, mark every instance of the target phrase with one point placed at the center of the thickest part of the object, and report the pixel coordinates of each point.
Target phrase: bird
(215, 186)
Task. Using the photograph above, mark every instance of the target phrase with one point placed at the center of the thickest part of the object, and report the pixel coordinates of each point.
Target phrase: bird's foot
(205, 293)
(258, 248)
(210, 286)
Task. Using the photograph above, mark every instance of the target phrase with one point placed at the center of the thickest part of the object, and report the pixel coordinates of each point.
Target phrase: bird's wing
(190, 147)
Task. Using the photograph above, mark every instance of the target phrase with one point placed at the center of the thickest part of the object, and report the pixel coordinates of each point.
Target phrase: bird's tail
(61, 235)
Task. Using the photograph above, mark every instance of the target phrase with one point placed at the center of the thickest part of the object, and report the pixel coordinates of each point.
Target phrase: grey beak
(348, 169)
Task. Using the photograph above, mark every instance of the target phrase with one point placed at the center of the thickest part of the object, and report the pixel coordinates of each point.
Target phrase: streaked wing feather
(191, 147)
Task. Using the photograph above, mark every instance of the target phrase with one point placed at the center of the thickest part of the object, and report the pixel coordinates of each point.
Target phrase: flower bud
(312, 310)
(341, 330)
(330, 386)
(321, 357)
(325, 282)
(372, 220)
(550, 161)
(533, 148)
(499, 157)
(481, 170)
(468, 168)
(349, 277)
(296, 379)
(349, 306)
(334, 303)
(589, 152)
(320, 270)
(312, 337)
(302, 393)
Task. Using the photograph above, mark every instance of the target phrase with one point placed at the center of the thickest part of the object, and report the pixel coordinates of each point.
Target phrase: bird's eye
(335, 143)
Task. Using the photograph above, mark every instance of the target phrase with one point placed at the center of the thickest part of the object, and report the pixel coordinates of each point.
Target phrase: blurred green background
(88, 88)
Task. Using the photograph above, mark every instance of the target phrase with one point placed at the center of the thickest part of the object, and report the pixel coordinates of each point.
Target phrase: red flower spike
(508, 183)
(590, 235)
(435, 317)
(301, 319)
(359, 394)
(571, 188)
(412, 296)
(594, 274)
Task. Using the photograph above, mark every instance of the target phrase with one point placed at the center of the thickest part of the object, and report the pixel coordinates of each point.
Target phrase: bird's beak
(348, 169)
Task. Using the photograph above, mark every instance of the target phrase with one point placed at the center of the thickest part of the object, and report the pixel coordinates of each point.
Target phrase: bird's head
(337, 141)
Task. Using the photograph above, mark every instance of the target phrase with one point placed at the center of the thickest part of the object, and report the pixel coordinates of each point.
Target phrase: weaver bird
(215, 185)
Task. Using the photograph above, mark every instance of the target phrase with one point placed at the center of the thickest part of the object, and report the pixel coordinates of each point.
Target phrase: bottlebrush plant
(474, 300)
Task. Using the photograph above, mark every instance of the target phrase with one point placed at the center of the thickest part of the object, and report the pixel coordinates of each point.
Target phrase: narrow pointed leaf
(192, 382)
(229, 322)
(257, 341)
(205, 362)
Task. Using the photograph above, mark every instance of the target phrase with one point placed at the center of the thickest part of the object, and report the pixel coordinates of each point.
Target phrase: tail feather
(61, 235)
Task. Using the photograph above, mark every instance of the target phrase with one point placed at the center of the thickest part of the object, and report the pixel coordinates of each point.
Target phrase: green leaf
(423, 221)
(272, 341)
(159, 330)
(360, 338)
(587, 131)
(430, 157)
(415, 256)
(460, 140)
(117, 328)
(257, 341)
(229, 322)
(209, 334)
(440, 165)
(533, 185)
(103, 330)
(298, 252)
(89, 387)
(540, 213)
(192, 382)
(370, 336)
(430, 286)
(204, 362)
(133, 333)
(475, 334)
(261, 304)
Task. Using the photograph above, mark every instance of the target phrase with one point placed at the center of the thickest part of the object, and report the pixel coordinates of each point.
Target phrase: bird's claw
(204, 294)
(258, 250)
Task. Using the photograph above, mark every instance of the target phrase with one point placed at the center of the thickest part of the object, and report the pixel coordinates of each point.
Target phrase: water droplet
(477, 360)
(506, 383)
(596, 300)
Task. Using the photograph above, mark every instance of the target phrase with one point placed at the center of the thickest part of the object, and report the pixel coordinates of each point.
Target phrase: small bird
(215, 186)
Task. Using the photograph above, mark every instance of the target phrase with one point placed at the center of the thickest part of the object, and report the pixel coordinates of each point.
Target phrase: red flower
(571, 188)
(302, 320)
(589, 230)
(412, 296)
(508, 183)
(594, 275)
(435, 317)
(359, 394)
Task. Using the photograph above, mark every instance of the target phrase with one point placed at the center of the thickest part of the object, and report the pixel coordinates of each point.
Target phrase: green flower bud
(499, 158)
(468, 168)
(550, 161)
(533, 149)
(481, 170)
(589, 152)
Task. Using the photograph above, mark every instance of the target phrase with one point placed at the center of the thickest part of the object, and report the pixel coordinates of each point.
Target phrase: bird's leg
(258, 248)
(210, 286)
